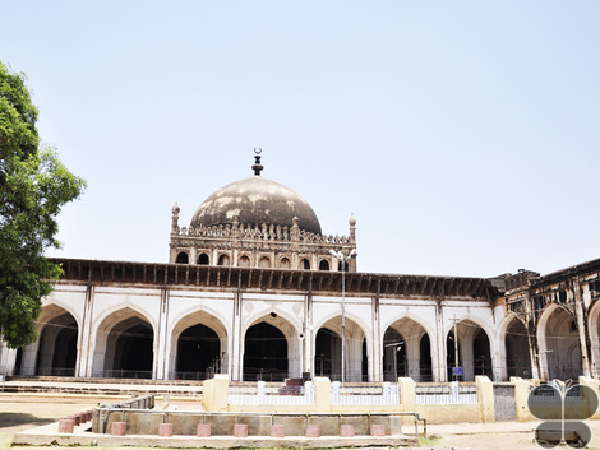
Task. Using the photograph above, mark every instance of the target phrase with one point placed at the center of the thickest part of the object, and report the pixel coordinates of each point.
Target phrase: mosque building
(255, 290)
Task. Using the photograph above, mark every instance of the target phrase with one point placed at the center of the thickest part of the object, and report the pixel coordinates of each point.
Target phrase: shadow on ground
(10, 419)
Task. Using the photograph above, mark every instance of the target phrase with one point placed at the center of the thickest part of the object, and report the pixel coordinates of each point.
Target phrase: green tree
(34, 185)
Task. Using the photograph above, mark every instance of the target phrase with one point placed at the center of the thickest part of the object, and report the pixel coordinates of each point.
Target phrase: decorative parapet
(265, 233)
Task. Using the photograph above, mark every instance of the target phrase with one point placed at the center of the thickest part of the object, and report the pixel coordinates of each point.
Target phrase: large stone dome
(255, 201)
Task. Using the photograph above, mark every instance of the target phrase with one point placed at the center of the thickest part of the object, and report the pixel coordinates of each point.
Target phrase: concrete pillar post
(407, 397)
(215, 394)
(323, 394)
(522, 389)
(485, 398)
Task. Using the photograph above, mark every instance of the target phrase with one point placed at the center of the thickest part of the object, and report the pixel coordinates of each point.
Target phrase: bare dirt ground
(15, 417)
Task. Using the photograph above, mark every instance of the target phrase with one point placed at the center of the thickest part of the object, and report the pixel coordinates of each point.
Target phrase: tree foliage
(34, 185)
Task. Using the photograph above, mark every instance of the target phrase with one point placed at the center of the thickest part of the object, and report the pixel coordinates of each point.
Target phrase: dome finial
(257, 167)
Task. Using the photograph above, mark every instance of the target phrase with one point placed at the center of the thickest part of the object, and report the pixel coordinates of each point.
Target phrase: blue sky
(463, 135)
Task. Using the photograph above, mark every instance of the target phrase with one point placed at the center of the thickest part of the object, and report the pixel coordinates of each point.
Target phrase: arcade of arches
(274, 349)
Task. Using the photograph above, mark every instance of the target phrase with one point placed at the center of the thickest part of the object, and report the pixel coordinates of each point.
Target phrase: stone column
(85, 347)
(162, 357)
(466, 350)
(581, 327)
(439, 361)
(236, 355)
(375, 356)
(413, 356)
(307, 346)
(48, 343)
(8, 358)
(498, 359)
(29, 358)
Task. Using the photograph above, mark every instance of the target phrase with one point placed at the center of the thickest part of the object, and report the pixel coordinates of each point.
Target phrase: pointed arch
(514, 356)
(57, 348)
(557, 334)
(328, 342)
(475, 350)
(271, 346)
(406, 341)
(218, 360)
(124, 336)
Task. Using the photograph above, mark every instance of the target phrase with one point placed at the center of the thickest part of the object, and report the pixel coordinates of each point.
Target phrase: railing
(122, 373)
(261, 394)
(55, 371)
(385, 394)
(453, 393)
(555, 393)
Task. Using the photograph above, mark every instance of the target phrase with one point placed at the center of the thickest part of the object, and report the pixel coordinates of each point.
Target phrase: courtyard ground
(19, 416)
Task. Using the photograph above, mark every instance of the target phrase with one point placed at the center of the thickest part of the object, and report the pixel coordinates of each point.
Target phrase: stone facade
(262, 300)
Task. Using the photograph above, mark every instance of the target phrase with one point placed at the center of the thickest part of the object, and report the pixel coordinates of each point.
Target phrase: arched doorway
(198, 347)
(518, 361)
(474, 354)
(305, 264)
(203, 259)
(271, 349)
(481, 354)
(405, 349)
(560, 345)
(124, 346)
(198, 353)
(224, 260)
(425, 367)
(328, 351)
(265, 353)
(324, 264)
(57, 346)
(394, 355)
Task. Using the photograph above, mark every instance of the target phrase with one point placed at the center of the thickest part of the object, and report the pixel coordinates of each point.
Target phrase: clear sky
(464, 135)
